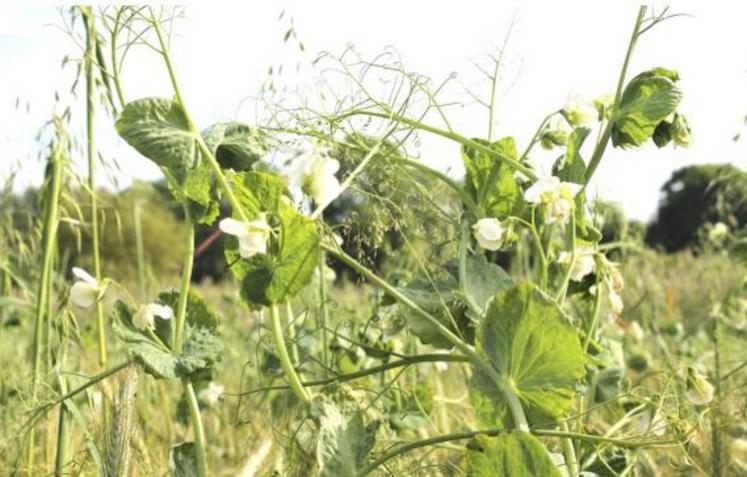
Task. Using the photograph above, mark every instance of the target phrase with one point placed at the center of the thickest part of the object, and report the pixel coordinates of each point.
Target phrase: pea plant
(527, 338)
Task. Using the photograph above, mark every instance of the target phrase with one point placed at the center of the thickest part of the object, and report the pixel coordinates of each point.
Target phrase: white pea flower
(579, 112)
(145, 316)
(557, 197)
(252, 235)
(699, 391)
(489, 233)
(315, 174)
(584, 264)
(85, 290)
(210, 396)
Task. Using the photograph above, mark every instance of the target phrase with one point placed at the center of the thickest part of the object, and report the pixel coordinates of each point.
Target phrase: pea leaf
(201, 348)
(442, 298)
(343, 442)
(292, 257)
(157, 128)
(484, 279)
(510, 454)
(183, 460)
(571, 167)
(490, 182)
(527, 341)
(647, 100)
(236, 145)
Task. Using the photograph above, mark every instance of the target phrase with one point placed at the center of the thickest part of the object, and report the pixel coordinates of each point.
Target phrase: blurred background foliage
(371, 220)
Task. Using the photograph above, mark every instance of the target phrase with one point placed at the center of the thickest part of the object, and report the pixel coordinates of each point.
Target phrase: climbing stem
(199, 431)
(601, 145)
(181, 311)
(90, 61)
(285, 362)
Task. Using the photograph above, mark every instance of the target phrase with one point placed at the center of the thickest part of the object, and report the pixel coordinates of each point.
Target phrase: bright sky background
(222, 53)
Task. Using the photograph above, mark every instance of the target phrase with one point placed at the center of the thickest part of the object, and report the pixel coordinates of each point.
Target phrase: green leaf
(647, 100)
(183, 460)
(442, 298)
(198, 186)
(158, 129)
(293, 254)
(343, 443)
(483, 280)
(571, 167)
(201, 348)
(491, 183)
(510, 454)
(235, 145)
(526, 339)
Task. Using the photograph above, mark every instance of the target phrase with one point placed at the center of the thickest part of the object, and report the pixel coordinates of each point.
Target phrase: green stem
(404, 448)
(290, 318)
(199, 431)
(181, 311)
(139, 247)
(39, 413)
(410, 360)
(322, 318)
(509, 393)
(90, 60)
(285, 362)
(51, 224)
(448, 135)
(463, 252)
(594, 317)
(604, 139)
(570, 453)
(62, 433)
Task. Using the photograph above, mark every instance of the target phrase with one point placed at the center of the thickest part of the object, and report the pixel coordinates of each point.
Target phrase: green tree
(693, 197)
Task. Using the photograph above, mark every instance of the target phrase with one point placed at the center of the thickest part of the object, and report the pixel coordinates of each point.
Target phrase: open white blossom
(557, 197)
(252, 235)
(699, 391)
(489, 233)
(210, 396)
(584, 264)
(580, 112)
(145, 316)
(85, 290)
(315, 174)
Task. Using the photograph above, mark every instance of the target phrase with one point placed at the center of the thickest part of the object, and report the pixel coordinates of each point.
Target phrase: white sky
(222, 53)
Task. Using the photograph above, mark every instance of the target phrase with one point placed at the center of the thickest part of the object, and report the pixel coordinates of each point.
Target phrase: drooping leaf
(183, 460)
(292, 257)
(510, 454)
(571, 167)
(343, 442)
(528, 342)
(201, 347)
(157, 128)
(236, 145)
(647, 100)
(490, 182)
